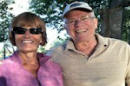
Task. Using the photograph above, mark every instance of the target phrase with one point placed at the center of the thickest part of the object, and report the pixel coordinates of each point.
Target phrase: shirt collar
(101, 40)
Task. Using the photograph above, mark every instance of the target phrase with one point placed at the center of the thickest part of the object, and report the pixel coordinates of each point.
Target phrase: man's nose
(77, 23)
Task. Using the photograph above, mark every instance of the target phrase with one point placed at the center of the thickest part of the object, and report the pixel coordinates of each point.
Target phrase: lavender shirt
(12, 73)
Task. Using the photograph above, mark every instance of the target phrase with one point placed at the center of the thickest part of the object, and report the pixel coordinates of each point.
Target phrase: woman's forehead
(26, 24)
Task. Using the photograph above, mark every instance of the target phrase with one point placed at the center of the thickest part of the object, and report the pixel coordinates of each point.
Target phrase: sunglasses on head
(20, 30)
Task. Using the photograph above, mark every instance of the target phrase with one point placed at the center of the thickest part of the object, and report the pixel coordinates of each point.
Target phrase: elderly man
(88, 59)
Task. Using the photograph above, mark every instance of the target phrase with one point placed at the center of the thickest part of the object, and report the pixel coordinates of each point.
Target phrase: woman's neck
(30, 62)
(28, 56)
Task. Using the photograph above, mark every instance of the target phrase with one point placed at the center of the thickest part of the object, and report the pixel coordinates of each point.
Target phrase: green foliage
(5, 18)
(50, 11)
(41, 49)
(126, 25)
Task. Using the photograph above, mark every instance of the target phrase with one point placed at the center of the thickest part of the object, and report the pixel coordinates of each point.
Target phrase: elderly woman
(26, 67)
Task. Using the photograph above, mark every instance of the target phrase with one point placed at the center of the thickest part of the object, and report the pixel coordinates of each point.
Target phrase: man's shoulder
(111, 41)
(117, 41)
(57, 49)
(57, 52)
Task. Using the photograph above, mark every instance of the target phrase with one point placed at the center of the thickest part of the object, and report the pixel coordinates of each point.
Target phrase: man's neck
(87, 47)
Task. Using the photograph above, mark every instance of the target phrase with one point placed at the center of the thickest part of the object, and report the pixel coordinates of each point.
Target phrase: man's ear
(95, 23)
(65, 27)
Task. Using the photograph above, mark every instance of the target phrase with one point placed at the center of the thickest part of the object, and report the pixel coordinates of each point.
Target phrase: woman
(26, 67)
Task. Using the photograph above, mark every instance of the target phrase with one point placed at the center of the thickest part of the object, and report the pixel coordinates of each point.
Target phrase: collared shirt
(12, 73)
(109, 65)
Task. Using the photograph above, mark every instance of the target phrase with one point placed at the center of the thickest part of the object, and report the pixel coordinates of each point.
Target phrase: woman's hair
(27, 19)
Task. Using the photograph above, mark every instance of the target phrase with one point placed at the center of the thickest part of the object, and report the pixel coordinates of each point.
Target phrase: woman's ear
(40, 41)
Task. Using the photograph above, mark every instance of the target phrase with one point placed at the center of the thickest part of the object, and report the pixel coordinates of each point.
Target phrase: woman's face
(27, 40)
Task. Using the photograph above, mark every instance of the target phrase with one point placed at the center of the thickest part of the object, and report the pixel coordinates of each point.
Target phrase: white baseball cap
(76, 5)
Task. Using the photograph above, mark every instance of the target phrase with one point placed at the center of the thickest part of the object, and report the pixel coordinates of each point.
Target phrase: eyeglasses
(20, 30)
(83, 18)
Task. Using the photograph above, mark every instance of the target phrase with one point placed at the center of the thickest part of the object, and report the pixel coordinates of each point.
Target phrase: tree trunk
(112, 19)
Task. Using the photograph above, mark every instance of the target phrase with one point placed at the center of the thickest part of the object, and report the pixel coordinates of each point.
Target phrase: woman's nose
(27, 33)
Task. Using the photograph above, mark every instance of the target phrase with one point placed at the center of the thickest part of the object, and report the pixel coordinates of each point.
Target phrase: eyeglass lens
(20, 30)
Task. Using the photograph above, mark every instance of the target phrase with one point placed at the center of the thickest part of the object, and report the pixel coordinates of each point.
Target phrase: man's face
(80, 25)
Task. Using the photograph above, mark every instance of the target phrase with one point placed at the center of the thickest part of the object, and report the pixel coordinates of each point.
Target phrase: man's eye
(84, 18)
(71, 21)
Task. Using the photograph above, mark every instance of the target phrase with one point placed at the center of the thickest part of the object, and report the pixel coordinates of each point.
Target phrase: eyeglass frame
(24, 30)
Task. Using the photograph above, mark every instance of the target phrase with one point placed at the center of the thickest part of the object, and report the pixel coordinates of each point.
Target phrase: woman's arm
(3, 81)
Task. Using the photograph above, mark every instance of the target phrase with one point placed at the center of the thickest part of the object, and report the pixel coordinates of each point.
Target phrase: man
(88, 59)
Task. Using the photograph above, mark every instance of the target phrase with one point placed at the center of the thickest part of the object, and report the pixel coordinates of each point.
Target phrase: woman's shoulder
(8, 62)
(53, 67)
(49, 63)
(5, 66)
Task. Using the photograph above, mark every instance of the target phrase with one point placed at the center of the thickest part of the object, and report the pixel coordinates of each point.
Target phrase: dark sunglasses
(20, 30)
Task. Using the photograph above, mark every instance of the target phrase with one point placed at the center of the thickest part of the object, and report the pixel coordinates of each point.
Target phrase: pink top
(12, 73)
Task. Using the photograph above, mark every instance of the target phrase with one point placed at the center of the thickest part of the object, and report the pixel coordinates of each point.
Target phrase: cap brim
(85, 9)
